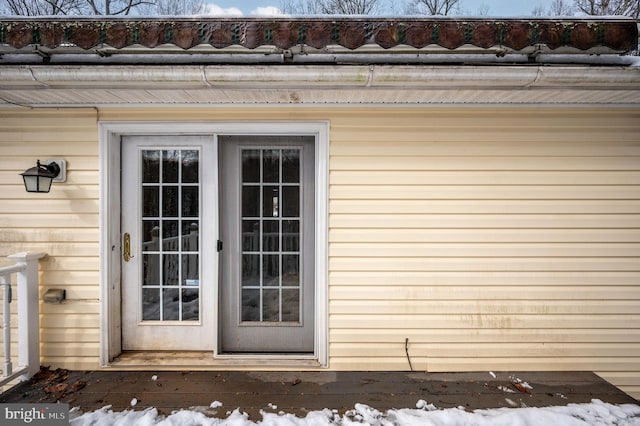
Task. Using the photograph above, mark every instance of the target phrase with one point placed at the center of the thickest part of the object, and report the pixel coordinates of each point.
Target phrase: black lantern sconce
(40, 177)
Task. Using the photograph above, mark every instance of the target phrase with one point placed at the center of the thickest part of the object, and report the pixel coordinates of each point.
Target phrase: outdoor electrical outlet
(55, 295)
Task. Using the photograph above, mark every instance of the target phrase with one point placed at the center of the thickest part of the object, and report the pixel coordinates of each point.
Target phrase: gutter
(302, 76)
(37, 55)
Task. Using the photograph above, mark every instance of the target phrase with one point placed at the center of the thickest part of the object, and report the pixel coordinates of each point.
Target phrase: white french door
(168, 231)
(219, 243)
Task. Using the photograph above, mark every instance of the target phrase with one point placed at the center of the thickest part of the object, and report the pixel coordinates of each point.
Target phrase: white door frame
(109, 163)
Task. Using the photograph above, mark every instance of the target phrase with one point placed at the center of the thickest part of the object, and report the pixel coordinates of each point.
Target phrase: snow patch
(524, 384)
(594, 413)
(423, 405)
(521, 385)
(506, 389)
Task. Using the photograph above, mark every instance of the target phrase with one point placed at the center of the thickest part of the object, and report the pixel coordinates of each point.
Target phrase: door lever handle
(126, 247)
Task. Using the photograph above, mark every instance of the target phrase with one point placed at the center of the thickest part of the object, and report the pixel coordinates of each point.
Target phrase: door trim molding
(109, 136)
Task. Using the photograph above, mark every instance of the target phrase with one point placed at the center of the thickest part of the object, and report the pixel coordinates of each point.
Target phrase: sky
(502, 8)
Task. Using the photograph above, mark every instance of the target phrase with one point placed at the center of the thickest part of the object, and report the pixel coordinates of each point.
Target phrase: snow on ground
(593, 414)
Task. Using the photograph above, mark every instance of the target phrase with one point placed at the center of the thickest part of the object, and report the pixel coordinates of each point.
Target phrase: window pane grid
(271, 199)
(170, 235)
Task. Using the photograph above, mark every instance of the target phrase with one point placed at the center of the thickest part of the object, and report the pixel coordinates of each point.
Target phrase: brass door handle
(126, 247)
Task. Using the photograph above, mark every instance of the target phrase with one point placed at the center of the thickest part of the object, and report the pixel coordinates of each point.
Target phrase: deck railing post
(28, 312)
(6, 325)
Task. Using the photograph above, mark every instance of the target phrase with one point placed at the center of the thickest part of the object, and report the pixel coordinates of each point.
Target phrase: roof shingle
(617, 35)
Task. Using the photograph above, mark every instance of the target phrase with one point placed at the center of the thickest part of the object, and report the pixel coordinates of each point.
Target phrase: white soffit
(158, 85)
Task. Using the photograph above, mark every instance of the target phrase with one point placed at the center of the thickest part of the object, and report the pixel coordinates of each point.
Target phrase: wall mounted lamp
(39, 178)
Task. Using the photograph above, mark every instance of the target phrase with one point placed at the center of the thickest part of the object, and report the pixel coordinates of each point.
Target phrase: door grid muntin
(271, 241)
(170, 192)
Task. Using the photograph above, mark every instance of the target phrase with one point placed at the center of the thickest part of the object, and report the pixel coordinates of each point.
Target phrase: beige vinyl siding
(63, 224)
(501, 239)
(491, 238)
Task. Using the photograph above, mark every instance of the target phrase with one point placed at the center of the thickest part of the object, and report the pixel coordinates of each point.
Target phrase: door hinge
(219, 245)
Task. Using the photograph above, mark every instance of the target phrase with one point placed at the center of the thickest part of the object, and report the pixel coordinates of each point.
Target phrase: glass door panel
(170, 236)
(270, 188)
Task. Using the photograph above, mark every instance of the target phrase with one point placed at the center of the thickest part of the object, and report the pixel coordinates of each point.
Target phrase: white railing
(26, 272)
(188, 242)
